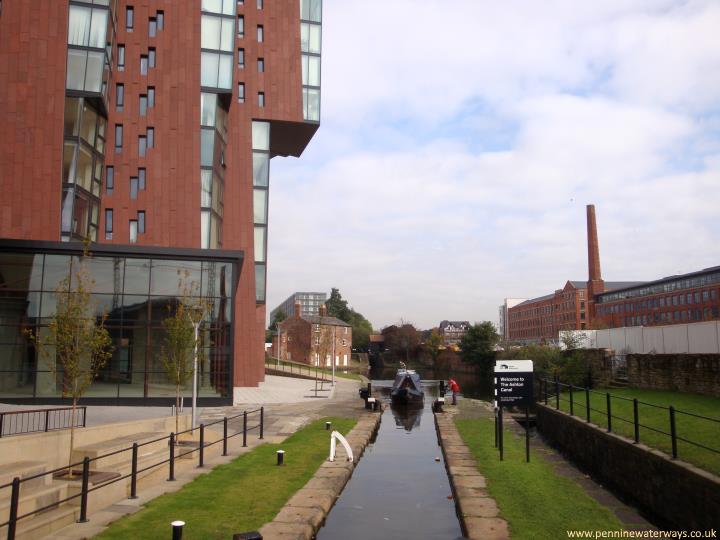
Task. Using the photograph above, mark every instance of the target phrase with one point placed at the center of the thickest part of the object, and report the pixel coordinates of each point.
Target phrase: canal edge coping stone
(305, 512)
(477, 511)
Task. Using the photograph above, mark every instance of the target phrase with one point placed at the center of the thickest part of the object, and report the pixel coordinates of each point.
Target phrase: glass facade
(134, 296)
(261, 184)
(311, 45)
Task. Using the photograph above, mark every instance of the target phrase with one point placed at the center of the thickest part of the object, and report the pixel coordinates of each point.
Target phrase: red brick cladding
(32, 106)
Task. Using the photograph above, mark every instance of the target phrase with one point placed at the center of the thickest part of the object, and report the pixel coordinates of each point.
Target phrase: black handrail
(40, 420)
(15, 484)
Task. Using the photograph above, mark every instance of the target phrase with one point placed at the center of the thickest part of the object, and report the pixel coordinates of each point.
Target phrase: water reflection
(398, 491)
(474, 385)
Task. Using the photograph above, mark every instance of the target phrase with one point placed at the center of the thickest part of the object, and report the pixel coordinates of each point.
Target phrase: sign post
(513, 387)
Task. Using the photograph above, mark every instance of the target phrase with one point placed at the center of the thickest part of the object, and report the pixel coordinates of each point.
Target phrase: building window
(133, 187)
(151, 137)
(261, 65)
(241, 58)
(151, 96)
(261, 99)
(152, 27)
(260, 33)
(259, 4)
(241, 92)
(109, 180)
(108, 223)
(141, 178)
(118, 138)
(160, 18)
(142, 145)
(143, 105)
(129, 18)
(143, 65)
(133, 231)
(121, 58)
(241, 26)
(141, 222)
(151, 57)
(119, 97)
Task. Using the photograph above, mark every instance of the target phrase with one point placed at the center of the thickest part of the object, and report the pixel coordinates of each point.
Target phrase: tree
(278, 317)
(401, 339)
(76, 339)
(337, 307)
(433, 343)
(477, 346)
(182, 337)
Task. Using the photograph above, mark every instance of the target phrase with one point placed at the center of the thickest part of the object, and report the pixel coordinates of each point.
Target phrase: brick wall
(697, 373)
(676, 494)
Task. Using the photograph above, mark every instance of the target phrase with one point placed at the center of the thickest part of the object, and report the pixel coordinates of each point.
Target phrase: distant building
(453, 331)
(310, 303)
(679, 299)
(503, 326)
(315, 339)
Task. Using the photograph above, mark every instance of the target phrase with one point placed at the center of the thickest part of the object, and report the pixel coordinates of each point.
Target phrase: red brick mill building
(579, 305)
(147, 127)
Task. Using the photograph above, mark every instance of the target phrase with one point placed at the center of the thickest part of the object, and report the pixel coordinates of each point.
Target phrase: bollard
(201, 453)
(587, 403)
(609, 412)
(225, 425)
(673, 432)
(327, 425)
(14, 503)
(171, 463)
(262, 421)
(369, 403)
(636, 420)
(280, 457)
(84, 492)
(376, 405)
(244, 429)
(133, 474)
(177, 529)
(442, 388)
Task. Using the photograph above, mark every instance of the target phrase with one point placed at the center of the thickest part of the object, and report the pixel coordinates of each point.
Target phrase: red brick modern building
(147, 127)
(315, 339)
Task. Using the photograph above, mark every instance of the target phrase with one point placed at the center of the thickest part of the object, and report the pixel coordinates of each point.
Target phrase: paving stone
(313, 498)
(337, 472)
(481, 528)
(478, 507)
(453, 461)
(469, 481)
(301, 514)
(286, 531)
(333, 484)
(464, 491)
(456, 470)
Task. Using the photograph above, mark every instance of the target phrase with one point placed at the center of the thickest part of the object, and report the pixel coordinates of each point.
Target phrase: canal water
(398, 490)
(472, 384)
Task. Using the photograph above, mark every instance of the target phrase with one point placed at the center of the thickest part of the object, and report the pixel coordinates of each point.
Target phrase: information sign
(513, 383)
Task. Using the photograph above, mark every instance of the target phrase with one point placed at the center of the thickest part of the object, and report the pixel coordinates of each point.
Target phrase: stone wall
(697, 373)
(676, 494)
(600, 365)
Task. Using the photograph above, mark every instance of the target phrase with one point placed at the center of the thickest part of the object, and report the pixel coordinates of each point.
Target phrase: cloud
(461, 141)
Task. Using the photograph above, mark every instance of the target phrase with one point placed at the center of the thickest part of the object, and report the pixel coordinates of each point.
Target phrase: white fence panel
(703, 337)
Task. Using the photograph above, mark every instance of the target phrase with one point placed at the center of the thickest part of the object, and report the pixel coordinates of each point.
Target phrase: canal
(398, 490)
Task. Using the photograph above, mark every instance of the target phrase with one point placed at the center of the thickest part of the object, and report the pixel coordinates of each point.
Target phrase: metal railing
(37, 420)
(321, 372)
(15, 485)
(558, 392)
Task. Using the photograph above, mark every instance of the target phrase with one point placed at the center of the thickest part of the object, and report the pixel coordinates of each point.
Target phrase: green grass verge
(236, 497)
(305, 369)
(535, 501)
(654, 420)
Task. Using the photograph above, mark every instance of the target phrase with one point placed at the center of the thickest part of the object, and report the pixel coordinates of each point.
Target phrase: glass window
(209, 63)
(260, 243)
(205, 229)
(206, 182)
(98, 28)
(141, 222)
(261, 99)
(110, 180)
(260, 205)
(151, 96)
(94, 72)
(261, 135)
(261, 65)
(261, 169)
(119, 97)
(121, 58)
(311, 104)
(108, 223)
(160, 17)
(310, 70)
(207, 145)
(208, 105)
(142, 145)
(260, 33)
(79, 25)
(151, 57)
(225, 7)
(133, 187)
(210, 32)
(310, 38)
(225, 73)
(152, 27)
(143, 65)
(241, 58)
(241, 92)
(143, 105)
(241, 26)
(260, 283)
(151, 137)
(259, 4)
(118, 137)
(141, 178)
(76, 63)
(129, 18)
(133, 231)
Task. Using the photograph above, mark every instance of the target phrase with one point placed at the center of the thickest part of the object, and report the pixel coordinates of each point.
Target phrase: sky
(461, 140)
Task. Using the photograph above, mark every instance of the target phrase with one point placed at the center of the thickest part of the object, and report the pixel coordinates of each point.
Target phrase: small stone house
(315, 339)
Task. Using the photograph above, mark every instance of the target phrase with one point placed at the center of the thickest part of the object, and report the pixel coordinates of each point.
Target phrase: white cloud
(408, 202)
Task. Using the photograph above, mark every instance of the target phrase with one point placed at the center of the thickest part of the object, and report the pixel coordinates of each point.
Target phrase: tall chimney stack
(595, 283)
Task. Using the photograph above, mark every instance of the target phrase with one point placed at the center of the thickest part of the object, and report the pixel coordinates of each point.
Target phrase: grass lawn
(237, 497)
(305, 369)
(657, 420)
(535, 501)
